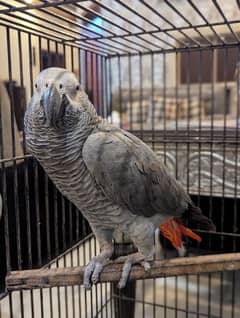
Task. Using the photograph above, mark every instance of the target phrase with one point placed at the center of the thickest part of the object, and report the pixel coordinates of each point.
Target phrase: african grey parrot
(115, 179)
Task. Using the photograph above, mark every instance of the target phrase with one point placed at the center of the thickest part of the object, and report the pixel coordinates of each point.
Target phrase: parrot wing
(131, 175)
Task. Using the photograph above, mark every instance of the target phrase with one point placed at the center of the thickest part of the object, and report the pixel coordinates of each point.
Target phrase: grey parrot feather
(131, 175)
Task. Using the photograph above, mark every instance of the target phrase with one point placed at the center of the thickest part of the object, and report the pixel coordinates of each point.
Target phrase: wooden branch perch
(68, 276)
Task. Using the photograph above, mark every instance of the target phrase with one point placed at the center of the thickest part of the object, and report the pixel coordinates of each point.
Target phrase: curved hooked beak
(54, 106)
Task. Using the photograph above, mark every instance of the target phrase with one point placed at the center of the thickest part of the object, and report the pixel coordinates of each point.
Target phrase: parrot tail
(194, 217)
(173, 229)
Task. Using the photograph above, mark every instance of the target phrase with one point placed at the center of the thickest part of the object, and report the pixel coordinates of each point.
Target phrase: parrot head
(58, 98)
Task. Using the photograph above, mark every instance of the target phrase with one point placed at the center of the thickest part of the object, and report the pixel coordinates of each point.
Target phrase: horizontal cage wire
(168, 71)
(124, 28)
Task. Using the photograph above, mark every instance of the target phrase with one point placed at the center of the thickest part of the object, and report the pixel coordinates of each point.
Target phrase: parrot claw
(88, 286)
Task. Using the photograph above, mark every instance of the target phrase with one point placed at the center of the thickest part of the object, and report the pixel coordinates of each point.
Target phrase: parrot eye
(47, 85)
(77, 87)
(60, 86)
(35, 85)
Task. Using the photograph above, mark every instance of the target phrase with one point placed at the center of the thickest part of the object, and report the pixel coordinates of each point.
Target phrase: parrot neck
(88, 118)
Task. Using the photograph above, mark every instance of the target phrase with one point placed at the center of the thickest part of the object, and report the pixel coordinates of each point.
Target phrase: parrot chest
(62, 160)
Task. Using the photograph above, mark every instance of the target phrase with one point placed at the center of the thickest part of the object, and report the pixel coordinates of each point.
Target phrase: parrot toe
(129, 260)
(93, 270)
(98, 269)
(146, 266)
(87, 274)
(125, 273)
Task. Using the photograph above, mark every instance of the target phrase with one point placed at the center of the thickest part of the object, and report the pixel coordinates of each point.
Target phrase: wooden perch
(68, 276)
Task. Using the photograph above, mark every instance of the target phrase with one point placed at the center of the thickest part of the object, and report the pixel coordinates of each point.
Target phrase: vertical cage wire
(40, 226)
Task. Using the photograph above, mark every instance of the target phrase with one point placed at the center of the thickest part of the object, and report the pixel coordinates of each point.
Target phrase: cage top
(111, 27)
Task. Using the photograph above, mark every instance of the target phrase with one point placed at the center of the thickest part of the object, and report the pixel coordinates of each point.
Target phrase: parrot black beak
(54, 106)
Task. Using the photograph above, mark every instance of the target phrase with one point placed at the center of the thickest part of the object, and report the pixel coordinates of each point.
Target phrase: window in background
(213, 65)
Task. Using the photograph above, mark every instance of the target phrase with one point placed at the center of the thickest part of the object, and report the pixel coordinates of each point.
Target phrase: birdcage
(166, 70)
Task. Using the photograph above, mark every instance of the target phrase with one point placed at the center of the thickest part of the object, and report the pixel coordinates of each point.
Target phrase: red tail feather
(173, 230)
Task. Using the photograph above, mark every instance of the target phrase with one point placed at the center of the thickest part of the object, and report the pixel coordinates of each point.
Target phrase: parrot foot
(136, 258)
(93, 270)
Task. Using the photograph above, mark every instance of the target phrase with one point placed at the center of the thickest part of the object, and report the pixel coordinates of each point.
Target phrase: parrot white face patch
(58, 100)
(64, 81)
